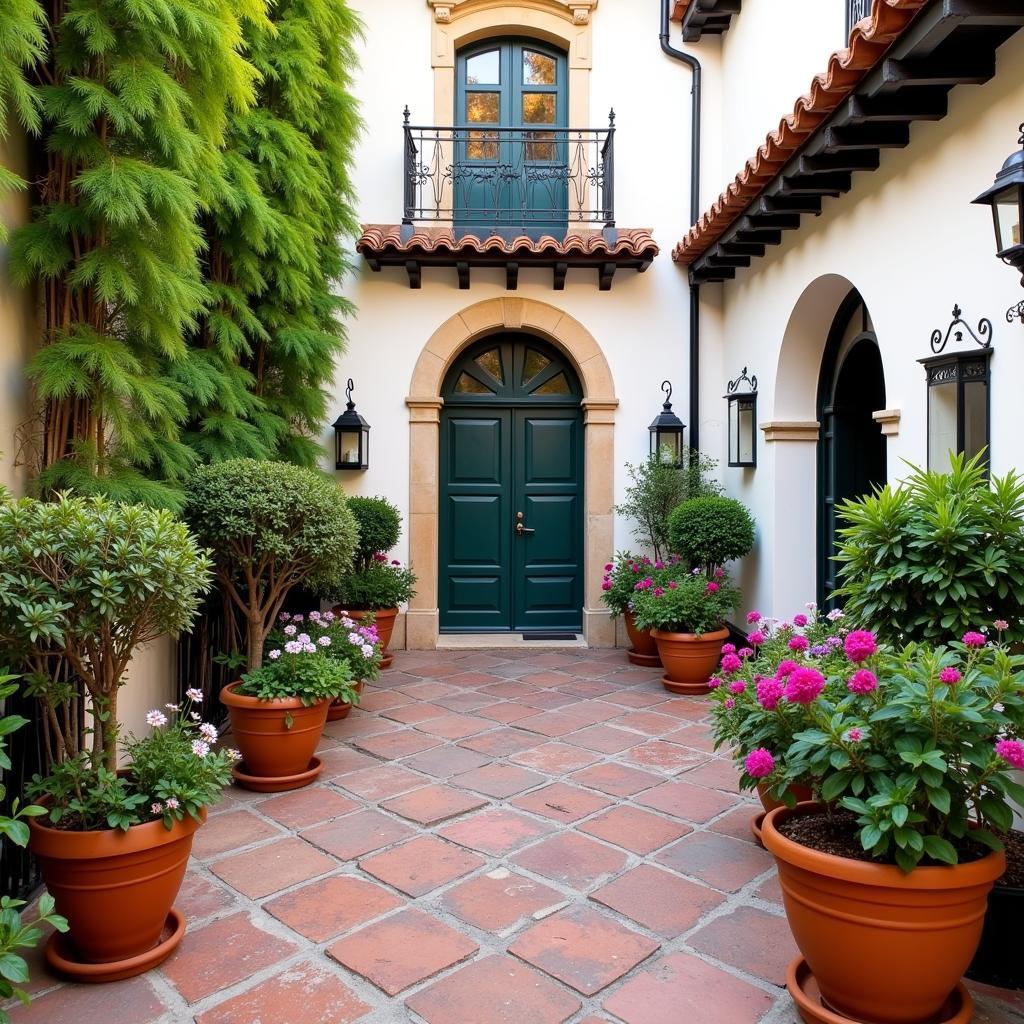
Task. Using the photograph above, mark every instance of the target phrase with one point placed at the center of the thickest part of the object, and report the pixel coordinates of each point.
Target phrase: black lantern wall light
(1006, 198)
(741, 394)
(667, 432)
(351, 436)
(958, 393)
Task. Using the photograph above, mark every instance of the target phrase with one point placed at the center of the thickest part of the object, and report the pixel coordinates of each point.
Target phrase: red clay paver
(402, 950)
(494, 990)
(412, 713)
(434, 804)
(382, 781)
(443, 762)
(716, 774)
(750, 940)
(496, 832)
(302, 994)
(651, 723)
(561, 802)
(357, 834)
(453, 727)
(662, 902)
(634, 829)
(306, 807)
(721, 861)
(506, 712)
(499, 780)
(421, 865)
(273, 867)
(502, 742)
(553, 723)
(123, 1002)
(681, 987)
(496, 901)
(572, 859)
(605, 739)
(230, 831)
(332, 905)
(342, 760)
(668, 757)
(582, 948)
(199, 898)
(691, 803)
(554, 758)
(382, 700)
(736, 823)
(221, 954)
(616, 779)
(393, 745)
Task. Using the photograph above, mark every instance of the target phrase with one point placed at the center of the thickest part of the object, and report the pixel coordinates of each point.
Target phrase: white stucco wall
(909, 239)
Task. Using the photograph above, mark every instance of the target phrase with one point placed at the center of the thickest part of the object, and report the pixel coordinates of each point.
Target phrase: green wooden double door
(511, 495)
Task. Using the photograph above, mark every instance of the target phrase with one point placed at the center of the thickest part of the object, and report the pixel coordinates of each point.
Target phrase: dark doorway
(851, 452)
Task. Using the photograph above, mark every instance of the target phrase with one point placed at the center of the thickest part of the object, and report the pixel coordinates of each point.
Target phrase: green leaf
(940, 849)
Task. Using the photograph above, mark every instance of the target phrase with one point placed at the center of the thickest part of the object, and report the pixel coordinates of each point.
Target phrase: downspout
(695, 106)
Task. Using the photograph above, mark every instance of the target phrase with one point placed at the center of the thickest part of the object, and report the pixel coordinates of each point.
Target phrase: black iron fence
(540, 179)
(855, 11)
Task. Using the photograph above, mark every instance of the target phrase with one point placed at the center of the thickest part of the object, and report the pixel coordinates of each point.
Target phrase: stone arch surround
(424, 402)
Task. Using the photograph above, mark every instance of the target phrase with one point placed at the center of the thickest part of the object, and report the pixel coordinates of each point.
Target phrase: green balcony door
(510, 170)
(511, 496)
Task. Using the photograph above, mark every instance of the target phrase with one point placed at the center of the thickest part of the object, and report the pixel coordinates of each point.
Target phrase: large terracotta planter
(116, 890)
(689, 659)
(280, 755)
(339, 708)
(384, 619)
(802, 794)
(882, 946)
(643, 650)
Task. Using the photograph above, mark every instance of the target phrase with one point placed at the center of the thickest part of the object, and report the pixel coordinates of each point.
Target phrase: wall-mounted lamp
(741, 394)
(666, 431)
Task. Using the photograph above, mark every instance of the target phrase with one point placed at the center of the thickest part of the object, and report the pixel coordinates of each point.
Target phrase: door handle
(520, 528)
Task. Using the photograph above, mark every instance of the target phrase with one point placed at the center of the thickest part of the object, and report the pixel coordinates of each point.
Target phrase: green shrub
(690, 604)
(380, 526)
(656, 487)
(271, 526)
(382, 584)
(710, 531)
(937, 555)
(88, 581)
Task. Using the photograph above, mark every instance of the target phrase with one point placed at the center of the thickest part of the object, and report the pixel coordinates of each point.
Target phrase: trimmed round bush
(271, 526)
(380, 526)
(711, 530)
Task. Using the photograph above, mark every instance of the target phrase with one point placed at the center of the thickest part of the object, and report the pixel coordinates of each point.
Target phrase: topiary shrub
(710, 531)
(380, 526)
(938, 555)
(271, 526)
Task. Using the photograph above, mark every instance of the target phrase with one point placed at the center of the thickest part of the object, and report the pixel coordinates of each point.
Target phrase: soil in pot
(643, 649)
(883, 946)
(998, 960)
(689, 659)
(802, 794)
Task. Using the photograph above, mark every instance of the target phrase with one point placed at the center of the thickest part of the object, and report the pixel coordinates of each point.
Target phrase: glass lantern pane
(941, 424)
(745, 433)
(975, 417)
(734, 430)
(348, 448)
(670, 447)
(1006, 208)
(484, 69)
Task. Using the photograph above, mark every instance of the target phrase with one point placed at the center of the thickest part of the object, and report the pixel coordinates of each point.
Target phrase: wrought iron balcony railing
(855, 11)
(509, 180)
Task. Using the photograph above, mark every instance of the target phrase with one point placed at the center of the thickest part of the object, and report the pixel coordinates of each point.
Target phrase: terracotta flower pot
(384, 619)
(882, 945)
(643, 649)
(689, 659)
(339, 708)
(802, 794)
(116, 889)
(269, 748)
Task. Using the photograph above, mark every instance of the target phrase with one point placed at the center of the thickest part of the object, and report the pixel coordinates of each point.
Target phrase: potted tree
(376, 585)
(272, 526)
(885, 883)
(85, 583)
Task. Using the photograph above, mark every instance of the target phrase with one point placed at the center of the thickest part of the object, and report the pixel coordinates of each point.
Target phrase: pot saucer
(687, 689)
(755, 826)
(387, 661)
(60, 952)
(276, 783)
(337, 711)
(644, 660)
(959, 1007)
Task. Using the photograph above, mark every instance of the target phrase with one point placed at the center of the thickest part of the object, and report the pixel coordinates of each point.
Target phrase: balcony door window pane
(484, 68)
(539, 68)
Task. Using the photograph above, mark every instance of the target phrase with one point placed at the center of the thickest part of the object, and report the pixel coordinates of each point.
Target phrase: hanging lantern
(667, 432)
(351, 436)
(1006, 198)
(741, 394)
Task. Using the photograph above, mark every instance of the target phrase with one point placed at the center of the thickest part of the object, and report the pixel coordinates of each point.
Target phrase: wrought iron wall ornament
(742, 421)
(983, 338)
(1015, 313)
(733, 385)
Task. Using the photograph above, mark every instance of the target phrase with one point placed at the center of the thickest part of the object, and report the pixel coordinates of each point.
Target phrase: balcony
(508, 197)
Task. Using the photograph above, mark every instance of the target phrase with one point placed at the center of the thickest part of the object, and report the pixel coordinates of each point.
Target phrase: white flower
(834, 615)
(235, 755)
(194, 693)
(284, 616)
(156, 717)
(293, 647)
(296, 618)
(290, 631)
(171, 707)
(314, 616)
(303, 638)
(348, 623)
(200, 748)
(324, 641)
(355, 639)
(367, 650)
(194, 715)
(309, 648)
(274, 655)
(156, 809)
(209, 732)
(811, 605)
(172, 803)
(327, 617)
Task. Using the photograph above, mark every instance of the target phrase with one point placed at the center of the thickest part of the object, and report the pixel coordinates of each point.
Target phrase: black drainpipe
(694, 65)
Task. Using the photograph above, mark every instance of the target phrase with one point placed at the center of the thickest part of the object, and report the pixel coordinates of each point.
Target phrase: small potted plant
(617, 591)
(347, 640)
(86, 582)
(885, 882)
(686, 617)
(376, 585)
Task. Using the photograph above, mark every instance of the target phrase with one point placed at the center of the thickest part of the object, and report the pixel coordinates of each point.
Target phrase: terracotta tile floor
(497, 838)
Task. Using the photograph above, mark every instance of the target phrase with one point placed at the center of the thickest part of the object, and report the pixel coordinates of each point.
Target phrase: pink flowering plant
(689, 602)
(619, 586)
(174, 771)
(918, 743)
(382, 583)
(338, 636)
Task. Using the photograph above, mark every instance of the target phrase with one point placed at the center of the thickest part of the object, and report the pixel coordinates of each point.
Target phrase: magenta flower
(1012, 752)
(737, 687)
(950, 676)
(854, 735)
(728, 648)
(784, 669)
(800, 620)
(756, 638)
(608, 567)
(745, 652)
(860, 645)
(719, 573)
(714, 683)
(729, 703)
(711, 588)
(658, 591)
(759, 763)
(672, 584)
(862, 681)
(731, 663)
(804, 685)
(607, 585)
(769, 693)
(659, 564)
(753, 618)
(972, 639)
(797, 643)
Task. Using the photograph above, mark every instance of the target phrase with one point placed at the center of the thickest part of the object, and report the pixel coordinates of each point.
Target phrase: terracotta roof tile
(376, 238)
(869, 40)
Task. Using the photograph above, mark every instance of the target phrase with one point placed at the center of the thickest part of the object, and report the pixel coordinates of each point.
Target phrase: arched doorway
(851, 451)
(510, 500)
